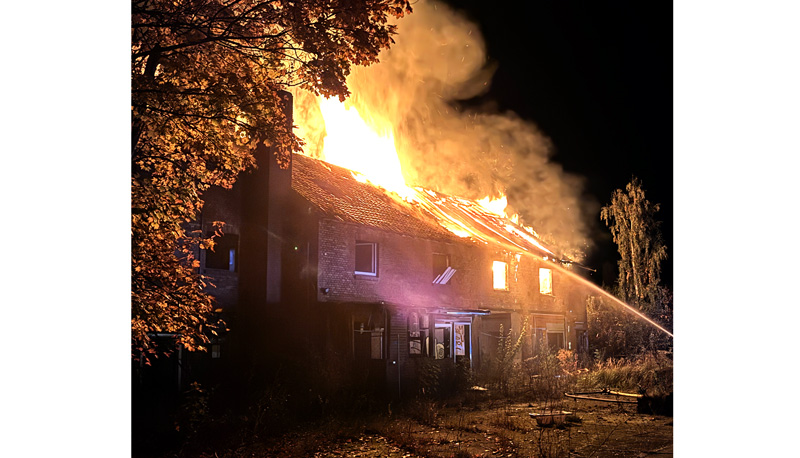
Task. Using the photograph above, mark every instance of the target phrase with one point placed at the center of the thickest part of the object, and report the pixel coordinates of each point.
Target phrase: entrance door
(453, 339)
(462, 348)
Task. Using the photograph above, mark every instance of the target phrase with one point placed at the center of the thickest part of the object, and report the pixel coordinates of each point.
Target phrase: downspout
(471, 329)
(399, 392)
(180, 365)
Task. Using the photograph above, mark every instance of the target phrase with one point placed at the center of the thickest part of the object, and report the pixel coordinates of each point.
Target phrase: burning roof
(338, 193)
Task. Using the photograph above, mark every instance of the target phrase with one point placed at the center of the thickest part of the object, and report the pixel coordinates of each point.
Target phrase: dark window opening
(224, 255)
(442, 272)
(555, 340)
(583, 341)
(366, 258)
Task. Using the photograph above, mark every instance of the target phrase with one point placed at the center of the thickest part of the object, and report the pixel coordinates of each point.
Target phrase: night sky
(597, 79)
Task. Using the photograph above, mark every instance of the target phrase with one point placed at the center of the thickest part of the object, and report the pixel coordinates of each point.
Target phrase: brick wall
(405, 274)
(404, 281)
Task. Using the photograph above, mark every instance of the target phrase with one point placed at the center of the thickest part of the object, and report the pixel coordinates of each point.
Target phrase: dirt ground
(488, 429)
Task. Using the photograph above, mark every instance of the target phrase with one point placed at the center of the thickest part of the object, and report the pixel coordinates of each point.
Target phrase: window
(500, 275)
(223, 256)
(366, 259)
(555, 335)
(546, 281)
(417, 334)
(414, 338)
(555, 340)
(442, 272)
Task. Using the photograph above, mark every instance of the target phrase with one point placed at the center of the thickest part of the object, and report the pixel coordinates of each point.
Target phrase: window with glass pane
(366, 258)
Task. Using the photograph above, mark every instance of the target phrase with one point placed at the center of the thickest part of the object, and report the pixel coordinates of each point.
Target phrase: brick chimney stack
(265, 193)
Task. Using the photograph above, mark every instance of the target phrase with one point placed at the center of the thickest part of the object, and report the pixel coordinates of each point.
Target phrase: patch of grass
(551, 443)
(508, 419)
(649, 373)
(425, 411)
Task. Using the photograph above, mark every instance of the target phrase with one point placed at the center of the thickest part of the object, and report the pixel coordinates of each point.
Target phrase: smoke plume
(438, 59)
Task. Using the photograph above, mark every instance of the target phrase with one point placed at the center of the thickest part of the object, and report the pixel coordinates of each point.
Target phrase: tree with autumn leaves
(206, 83)
(634, 228)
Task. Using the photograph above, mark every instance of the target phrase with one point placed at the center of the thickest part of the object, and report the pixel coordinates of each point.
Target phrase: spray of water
(610, 297)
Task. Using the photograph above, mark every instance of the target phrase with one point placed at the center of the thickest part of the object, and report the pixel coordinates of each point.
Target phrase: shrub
(193, 411)
(551, 373)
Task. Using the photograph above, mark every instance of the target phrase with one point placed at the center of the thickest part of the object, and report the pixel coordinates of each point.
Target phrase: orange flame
(354, 145)
(368, 150)
(495, 206)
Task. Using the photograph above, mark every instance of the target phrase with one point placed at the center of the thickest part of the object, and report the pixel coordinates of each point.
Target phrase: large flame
(370, 152)
(353, 144)
(496, 206)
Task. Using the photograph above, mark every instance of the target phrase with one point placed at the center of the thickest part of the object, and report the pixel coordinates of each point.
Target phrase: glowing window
(366, 258)
(500, 275)
(546, 281)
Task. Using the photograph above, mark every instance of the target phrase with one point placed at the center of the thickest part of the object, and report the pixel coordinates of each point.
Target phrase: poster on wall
(460, 340)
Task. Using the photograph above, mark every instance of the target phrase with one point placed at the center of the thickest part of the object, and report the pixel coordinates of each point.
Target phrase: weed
(550, 443)
(504, 368)
(425, 411)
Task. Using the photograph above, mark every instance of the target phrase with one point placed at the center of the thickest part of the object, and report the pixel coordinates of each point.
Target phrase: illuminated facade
(348, 269)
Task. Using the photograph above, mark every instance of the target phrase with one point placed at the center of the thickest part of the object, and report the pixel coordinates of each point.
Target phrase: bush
(616, 333)
(551, 373)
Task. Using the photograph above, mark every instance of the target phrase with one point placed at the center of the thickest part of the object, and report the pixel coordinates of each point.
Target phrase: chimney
(265, 195)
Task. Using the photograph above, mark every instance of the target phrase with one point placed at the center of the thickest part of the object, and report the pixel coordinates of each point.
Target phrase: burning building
(315, 256)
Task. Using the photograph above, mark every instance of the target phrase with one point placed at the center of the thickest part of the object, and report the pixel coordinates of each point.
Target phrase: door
(453, 340)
